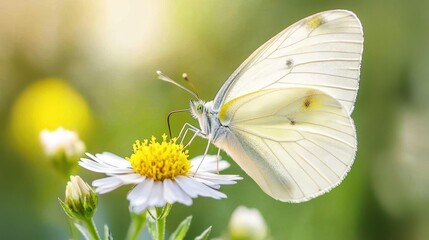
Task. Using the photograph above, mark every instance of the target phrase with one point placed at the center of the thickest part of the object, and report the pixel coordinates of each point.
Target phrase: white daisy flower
(61, 141)
(162, 174)
(62, 148)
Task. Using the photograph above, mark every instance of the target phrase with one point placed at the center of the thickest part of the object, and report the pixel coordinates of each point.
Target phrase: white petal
(139, 208)
(173, 193)
(192, 188)
(131, 178)
(113, 160)
(91, 165)
(140, 193)
(207, 182)
(105, 185)
(182, 182)
(210, 163)
(156, 197)
(217, 179)
(147, 194)
(207, 161)
(98, 165)
(223, 165)
(95, 167)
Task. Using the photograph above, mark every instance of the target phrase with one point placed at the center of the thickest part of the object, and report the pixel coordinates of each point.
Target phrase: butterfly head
(202, 111)
(197, 108)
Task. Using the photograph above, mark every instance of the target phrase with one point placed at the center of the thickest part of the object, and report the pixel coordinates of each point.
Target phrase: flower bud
(81, 200)
(247, 223)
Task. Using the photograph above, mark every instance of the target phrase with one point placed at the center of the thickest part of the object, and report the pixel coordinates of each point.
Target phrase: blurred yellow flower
(46, 104)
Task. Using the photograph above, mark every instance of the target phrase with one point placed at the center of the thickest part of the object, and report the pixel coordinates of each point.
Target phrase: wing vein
(325, 42)
(320, 51)
(318, 85)
(300, 166)
(324, 163)
(284, 167)
(314, 167)
(310, 123)
(324, 74)
(328, 136)
(333, 155)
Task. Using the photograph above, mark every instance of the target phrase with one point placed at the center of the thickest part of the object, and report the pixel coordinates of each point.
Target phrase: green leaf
(107, 233)
(166, 210)
(204, 235)
(182, 229)
(151, 227)
(66, 209)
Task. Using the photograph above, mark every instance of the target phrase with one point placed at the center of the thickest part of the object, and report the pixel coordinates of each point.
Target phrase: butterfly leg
(217, 160)
(197, 132)
(184, 131)
(205, 154)
(192, 138)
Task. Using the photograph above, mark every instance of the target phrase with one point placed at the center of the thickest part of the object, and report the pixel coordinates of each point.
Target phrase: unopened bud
(247, 223)
(81, 200)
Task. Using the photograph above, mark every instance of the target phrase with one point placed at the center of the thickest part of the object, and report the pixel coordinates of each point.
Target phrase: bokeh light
(46, 104)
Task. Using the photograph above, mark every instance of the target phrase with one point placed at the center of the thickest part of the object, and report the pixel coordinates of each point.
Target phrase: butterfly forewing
(323, 51)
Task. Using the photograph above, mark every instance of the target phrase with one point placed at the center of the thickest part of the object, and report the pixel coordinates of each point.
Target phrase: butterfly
(284, 116)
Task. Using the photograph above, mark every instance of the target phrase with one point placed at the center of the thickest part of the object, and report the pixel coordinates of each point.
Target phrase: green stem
(160, 224)
(136, 226)
(73, 230)
(92, 229)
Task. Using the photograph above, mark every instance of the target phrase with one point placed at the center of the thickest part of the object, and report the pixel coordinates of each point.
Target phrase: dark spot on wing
(307, 102)
(289, 63)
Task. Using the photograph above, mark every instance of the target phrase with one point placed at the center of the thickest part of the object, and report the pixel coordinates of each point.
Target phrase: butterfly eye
(200, 108)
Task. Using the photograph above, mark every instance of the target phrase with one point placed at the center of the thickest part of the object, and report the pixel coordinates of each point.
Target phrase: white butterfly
(284, 114)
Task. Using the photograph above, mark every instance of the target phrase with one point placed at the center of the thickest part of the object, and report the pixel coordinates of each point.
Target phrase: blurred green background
(90, 66)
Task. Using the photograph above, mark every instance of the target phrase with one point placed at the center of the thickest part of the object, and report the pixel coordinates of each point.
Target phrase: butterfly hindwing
(296, 143)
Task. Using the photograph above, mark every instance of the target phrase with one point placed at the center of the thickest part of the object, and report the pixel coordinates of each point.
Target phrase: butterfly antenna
(168, 118)
(185, 77)
(163, 77)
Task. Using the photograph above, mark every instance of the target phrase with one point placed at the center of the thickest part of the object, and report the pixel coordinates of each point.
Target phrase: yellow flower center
(159, 161)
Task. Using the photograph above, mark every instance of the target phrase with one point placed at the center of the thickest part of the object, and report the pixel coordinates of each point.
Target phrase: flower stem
(160, 223)
(73, 230)
(136, 226)
(89, 222)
